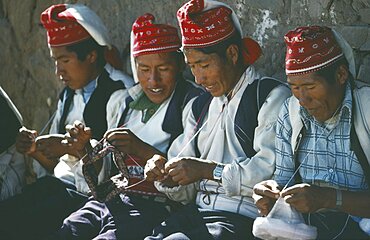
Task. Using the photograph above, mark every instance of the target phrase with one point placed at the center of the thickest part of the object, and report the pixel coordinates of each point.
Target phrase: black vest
(95, 110)
(9, 125)
(172, 122)
(246, 116)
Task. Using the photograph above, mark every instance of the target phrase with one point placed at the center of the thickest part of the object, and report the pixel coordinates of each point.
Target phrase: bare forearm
(147, 151)
(356, 203)
(47, 163)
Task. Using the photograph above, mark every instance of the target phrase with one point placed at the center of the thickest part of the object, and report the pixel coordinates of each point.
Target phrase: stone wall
(28, 72)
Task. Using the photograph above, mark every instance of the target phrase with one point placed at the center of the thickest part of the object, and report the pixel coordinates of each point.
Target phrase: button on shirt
(325, 154)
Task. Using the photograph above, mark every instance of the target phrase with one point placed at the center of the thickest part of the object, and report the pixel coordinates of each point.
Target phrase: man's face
(70, 70)
(157, 75)
(210, 71)
(316, 95)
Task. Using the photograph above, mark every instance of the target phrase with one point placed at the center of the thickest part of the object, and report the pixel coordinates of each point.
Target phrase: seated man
(13, 164)
(234, 121)
(77, 40)
(80, 59)
(323, 138)
(148, 119)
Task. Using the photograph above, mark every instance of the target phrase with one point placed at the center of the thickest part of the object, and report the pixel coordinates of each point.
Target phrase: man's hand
(51, 146)
(154, 168)
(189, 170)
(265, 195)
(77, 138)
(308, 198)
(25, 142)
(127, 142)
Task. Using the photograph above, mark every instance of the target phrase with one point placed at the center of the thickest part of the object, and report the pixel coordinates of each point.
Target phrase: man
(77, 40)
(322, 142)
(13, 165)
(148, 119)
(78, 43)
(235, 126)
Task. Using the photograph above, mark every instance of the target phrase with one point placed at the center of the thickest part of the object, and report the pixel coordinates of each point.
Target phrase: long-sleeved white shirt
(217, 142)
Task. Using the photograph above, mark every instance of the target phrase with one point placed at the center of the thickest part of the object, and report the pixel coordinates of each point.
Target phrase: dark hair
(220, 48)
(82, 49)
(328, 73)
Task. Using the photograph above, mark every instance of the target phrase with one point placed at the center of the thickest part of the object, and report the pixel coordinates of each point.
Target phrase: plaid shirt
(324, 153)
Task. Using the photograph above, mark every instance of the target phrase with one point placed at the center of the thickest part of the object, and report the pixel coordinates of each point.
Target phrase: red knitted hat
(67, 24)
(310, 49)
(149, 38)
(204, 28)
(205, 23)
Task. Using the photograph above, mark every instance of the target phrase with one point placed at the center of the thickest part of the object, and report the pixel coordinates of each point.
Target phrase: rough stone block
(265, 4)
(365, 15)
(355, 35)
(364, 73)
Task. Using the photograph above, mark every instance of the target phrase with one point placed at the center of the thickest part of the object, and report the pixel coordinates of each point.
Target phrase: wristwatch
(217, 172)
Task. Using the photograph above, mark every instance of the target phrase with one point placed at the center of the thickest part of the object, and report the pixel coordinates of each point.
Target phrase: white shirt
(69, 167)
(217, 142)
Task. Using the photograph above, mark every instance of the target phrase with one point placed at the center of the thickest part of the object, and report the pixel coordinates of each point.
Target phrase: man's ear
(342, 74)
(92, 56)
(232, 53)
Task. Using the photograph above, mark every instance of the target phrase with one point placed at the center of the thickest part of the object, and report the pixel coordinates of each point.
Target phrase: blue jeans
(192, 222)
(131, 217)
(39, 210)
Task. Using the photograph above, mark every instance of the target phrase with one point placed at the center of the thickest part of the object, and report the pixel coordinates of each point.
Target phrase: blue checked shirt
(324, 153)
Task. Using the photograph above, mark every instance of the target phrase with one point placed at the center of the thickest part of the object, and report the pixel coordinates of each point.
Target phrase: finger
(117, 135)
(175, 179)
(78, 124)
(160, 165)
(88, 131)
(264, 211)
(183, 182)
(170, 165)
(264, 191)
(66, 143)
(156, 171)
(150, 177)
(173, 170)
(72, 130)
(295, 189)
(113, 130)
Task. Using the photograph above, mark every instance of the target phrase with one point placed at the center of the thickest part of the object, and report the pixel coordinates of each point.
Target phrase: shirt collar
(89, 89)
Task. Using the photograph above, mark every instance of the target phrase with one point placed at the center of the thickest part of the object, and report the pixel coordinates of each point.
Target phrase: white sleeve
(54, 128)
(182, 146)
(115, 106)
(239, 177)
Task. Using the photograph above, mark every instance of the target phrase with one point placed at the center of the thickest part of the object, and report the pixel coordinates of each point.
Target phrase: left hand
(306, 198)
(126, 141)
(189, 170)
(51, 146)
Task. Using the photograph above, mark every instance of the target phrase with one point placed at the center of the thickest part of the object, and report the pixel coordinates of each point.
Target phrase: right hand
(77, 137)
(154, 168)
(265, 195)
(25, 142)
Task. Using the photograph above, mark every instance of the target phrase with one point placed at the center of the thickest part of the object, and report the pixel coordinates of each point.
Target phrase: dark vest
(246, 116)
(172, 122)
(95, 110)
(9, 125)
